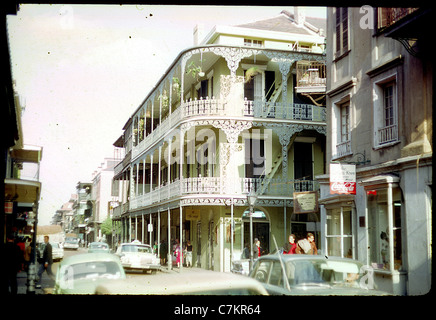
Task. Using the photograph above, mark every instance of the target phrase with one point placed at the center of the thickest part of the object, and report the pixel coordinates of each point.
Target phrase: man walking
(46, 261)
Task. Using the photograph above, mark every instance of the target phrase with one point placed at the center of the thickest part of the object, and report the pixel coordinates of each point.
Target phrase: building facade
(242, 111)
(379, 118)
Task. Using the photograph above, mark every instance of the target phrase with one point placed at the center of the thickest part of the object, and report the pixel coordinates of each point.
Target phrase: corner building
(243, 110)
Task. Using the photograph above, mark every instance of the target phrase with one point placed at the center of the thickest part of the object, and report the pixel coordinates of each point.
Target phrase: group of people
(176, 250)
(20, 254)
(303, 246)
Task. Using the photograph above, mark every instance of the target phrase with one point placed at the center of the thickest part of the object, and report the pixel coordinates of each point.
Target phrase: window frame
(342, 34)
(385, 135)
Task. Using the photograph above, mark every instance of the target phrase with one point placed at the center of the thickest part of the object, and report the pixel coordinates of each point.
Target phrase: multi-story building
(379, 118)
(102, 198)
(82, 222)
(242, 111)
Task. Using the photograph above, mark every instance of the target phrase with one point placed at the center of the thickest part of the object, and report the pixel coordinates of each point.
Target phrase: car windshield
(135, 248)
(92, 270)
(55, 245)
(338, 273)
(101, 246)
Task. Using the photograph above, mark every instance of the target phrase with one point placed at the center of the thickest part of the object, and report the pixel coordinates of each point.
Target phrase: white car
(138, 256)
(71, 243)
(57, 251)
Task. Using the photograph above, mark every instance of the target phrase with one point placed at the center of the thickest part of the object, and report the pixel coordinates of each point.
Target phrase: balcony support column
(151, 172)
(159, 169)
(285, 66)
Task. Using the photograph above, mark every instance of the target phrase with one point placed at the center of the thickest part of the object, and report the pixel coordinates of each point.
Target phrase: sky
(82, 70)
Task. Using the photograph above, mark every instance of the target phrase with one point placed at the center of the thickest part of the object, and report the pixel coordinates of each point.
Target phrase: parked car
(82, 273)
(98, 247)
(138, 256)
(57, 251)
(311, 275)
(198, 282)
(71, 243)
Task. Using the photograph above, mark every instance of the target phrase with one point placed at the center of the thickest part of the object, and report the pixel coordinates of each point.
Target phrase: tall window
(388, 95)
(341, 30)
(385, 113)
(345, 122)
(339, 232)
(380, 232)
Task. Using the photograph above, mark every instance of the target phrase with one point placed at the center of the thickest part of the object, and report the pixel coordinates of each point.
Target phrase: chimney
(198, 34)
(299, 16)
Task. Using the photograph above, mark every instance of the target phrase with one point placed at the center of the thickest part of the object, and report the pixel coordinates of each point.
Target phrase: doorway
(261, 229)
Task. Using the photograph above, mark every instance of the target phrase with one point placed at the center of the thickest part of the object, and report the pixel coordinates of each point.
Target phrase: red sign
(343, 187)
(342, 178)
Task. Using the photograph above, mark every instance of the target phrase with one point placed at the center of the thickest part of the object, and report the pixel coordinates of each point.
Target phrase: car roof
(200, 281)
(97, 242)
(135, 244)
(88, 257)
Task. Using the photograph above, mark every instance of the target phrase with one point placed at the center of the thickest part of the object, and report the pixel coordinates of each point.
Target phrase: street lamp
(251, 198)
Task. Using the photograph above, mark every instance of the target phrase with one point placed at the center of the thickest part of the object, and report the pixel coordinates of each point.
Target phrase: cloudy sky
(81, 71)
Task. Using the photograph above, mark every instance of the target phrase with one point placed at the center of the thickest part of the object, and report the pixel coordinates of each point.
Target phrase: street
(47, 284)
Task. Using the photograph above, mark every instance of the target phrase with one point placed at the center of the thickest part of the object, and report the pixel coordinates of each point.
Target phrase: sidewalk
(46, 283)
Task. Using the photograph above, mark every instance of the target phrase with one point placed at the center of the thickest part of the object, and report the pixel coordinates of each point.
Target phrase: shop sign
(192, 214)
(306, 202)
(342, 178)
(9, 207)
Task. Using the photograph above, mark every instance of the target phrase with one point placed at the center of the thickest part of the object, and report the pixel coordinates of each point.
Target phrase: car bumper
(141, 267)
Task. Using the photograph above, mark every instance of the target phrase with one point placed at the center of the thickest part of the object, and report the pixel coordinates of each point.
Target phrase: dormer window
(253, 43)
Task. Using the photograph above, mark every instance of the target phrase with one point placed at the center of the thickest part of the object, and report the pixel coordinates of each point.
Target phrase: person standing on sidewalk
(46, 261)
(14, 259)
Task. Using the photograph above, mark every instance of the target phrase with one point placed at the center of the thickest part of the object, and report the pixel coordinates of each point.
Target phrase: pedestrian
(46, 261)
(178, 253)
(291, 245)
(155, 248)
(13, 261)
(307, 245)
(27, 254)
(163, 252)
(188, 251)
(256, 248)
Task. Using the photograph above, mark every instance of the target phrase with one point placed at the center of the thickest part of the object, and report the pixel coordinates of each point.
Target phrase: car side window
(276, 275)
(262, 271)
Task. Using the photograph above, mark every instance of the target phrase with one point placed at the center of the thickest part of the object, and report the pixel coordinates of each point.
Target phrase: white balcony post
(142, 228)
(151, 232)
(151, 173)
(181, 156)
(169, 167)
(181, 239)
(170, 263)
(159, 170)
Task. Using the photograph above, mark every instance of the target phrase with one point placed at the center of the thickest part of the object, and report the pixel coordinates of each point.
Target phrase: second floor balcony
(218, 186)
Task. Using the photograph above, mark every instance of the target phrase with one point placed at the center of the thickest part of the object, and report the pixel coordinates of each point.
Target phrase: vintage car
(82, 273)
(283, 274)
(98, 247)
(195, 282)
(138, 256)
(71, 243)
